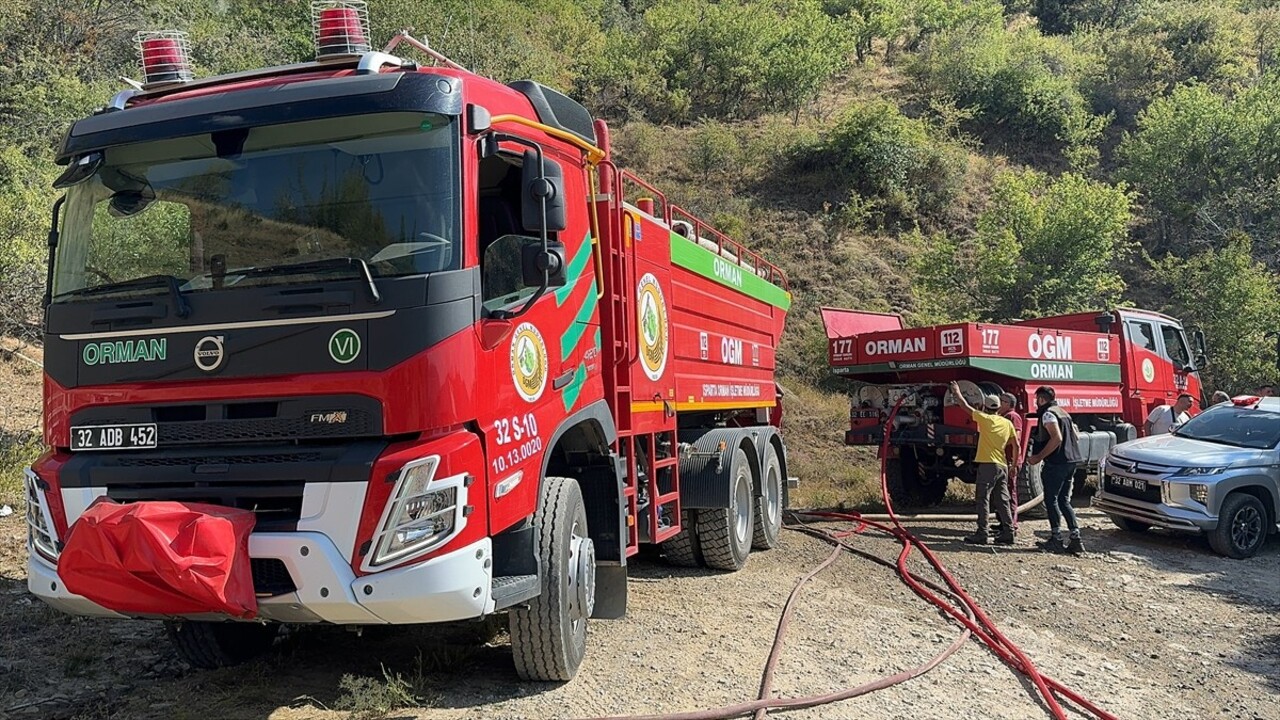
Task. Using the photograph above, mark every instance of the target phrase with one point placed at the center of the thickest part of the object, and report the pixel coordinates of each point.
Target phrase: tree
(1043, 247)
(1235, 300)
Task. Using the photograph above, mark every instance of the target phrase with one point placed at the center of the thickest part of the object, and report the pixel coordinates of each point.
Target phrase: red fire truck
(1108, 369)
(450, 357)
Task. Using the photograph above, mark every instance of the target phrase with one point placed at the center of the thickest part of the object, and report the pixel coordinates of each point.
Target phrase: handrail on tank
(627, 175)
(616, 177)
(775, 274)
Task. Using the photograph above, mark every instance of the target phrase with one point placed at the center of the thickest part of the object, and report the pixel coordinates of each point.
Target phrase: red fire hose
(962, 607)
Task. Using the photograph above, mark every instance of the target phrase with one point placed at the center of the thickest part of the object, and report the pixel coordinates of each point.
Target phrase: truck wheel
(768, 507)
(549, 635)
(1129, 525)
(211, 645)
(1029, 486)
(725, 533)
(682, 550)
(1242, 526)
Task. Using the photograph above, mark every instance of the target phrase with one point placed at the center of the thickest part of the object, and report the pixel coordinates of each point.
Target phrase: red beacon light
(340, 28)
(166, 58)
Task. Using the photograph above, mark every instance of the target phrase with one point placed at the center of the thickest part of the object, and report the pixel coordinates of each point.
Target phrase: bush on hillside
(894, 164)
(1235, 300)
(1043, 247)
(1208, 164)
(1019, 82)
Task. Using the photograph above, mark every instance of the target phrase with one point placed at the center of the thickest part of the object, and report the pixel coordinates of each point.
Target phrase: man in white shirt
(1165, 418)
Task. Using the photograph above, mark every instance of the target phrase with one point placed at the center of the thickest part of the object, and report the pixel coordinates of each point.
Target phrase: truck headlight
(1200, 493)
(1199, 471)
(40, 531)
(423, 514)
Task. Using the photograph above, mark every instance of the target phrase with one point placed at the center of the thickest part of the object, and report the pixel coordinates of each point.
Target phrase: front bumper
(1157, 515)
(454, 586)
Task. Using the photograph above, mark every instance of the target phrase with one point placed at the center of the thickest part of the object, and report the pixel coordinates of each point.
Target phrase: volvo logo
(210, 353)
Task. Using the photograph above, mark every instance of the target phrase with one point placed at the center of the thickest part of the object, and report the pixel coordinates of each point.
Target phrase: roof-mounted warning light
(165, 56)
(340, 28)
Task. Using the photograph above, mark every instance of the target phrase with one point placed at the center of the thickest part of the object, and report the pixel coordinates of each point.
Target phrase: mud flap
(611, 592)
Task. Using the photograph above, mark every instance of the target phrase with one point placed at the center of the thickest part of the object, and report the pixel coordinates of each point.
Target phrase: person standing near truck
(995, 441)
(1009, 411)
(1164, 419)
(1057, 446)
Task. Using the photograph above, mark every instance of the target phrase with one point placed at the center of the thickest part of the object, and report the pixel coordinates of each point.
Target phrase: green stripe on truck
(695, 258)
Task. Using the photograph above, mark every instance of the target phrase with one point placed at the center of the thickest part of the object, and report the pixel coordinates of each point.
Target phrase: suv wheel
(1242, 526)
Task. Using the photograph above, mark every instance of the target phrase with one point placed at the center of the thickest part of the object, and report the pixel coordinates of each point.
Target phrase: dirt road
(1149, 626)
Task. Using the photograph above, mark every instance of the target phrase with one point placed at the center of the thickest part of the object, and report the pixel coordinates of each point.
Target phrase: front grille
(320, 417)
(277, 505)
(193, 460)
(357, 423)
(271, 577)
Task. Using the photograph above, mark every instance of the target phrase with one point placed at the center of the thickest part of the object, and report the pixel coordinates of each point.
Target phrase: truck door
(536, 360)
(1150, 372)
(1177, 352)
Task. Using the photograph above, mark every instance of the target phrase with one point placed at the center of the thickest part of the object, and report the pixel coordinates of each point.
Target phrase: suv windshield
(1240, 426)
(241, 207)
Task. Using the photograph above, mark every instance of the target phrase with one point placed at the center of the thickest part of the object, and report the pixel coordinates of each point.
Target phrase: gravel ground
(1148, 626)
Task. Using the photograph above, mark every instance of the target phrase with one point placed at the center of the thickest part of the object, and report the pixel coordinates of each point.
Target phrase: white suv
(1218, 474)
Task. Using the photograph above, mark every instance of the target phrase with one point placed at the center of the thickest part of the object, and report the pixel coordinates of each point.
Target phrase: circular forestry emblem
(653, 326)
(1148, 370)
(528, 361)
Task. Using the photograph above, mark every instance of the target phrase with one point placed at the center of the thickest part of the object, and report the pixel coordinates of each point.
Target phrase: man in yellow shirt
(996, 441)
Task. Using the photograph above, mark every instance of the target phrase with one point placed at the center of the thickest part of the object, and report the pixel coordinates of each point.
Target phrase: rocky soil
(1149, 626)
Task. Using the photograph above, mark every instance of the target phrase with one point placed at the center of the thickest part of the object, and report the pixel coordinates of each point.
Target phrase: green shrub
(1208, 164)
(893, 163)
(1042, 247)
(1235, 300)
(1019, 83)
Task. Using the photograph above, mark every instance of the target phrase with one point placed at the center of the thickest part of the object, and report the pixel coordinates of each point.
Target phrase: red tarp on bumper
(163, 558)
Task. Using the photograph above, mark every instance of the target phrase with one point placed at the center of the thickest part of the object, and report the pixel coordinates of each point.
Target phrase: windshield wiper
(142, 283)
(329, 264)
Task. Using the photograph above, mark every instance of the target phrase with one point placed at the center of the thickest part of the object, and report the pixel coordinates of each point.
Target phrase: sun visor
(162, 558)
(842, 323)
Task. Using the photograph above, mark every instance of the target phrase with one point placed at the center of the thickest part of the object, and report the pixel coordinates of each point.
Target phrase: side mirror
(80, 169)
(539, 186)
(125, 203)
(535, 264)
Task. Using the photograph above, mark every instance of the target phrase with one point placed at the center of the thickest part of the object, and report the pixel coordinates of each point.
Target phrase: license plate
(1130, 483)
(865, 414)
(137, 436)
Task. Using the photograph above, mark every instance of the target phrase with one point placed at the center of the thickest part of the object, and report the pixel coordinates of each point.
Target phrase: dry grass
(832, 474)
(20, 409)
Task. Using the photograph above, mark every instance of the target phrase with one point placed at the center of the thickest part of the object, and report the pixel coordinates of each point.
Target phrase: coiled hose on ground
(949, 597)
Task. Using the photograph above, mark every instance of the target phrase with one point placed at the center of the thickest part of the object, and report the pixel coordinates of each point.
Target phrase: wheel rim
(582, 577)
(773, 496)
(742, 507)
(1246, 527)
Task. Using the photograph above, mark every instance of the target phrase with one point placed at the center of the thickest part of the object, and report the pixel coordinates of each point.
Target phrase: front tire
(724, 534)
(1242, 527)
(768, 507)
(212, 645)
(549, 635)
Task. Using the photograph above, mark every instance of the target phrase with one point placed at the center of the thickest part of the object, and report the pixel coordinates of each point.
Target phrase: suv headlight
(424, 513)
(1200, 493)
(1199, 471)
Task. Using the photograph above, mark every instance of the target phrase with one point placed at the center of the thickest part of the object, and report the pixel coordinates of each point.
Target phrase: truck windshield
(1234, 425)
(267, 205)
